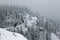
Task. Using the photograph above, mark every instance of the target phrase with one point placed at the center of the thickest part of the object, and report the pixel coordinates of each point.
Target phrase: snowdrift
(54, 37)
(6, 35)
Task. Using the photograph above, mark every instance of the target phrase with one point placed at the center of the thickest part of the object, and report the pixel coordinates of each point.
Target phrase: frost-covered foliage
(9, 15)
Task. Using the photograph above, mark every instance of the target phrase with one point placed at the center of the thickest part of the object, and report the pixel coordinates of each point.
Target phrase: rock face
(6, 35)
(54, 37)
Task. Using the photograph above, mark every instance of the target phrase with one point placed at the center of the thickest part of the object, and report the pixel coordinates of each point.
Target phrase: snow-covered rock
(34, 18)
(54, 37)
(6, 35)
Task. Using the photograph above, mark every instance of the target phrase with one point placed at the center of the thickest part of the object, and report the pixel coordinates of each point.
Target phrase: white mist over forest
(47, 8)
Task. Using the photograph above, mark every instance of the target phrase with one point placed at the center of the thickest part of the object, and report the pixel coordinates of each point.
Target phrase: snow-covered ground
(6, 35)
(54, 37)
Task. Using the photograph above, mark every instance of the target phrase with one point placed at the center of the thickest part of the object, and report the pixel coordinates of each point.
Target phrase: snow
(6, 35)
(31, 22)
(34, 18)
(54, 37)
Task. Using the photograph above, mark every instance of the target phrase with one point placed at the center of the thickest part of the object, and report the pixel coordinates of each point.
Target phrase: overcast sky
(48, 8)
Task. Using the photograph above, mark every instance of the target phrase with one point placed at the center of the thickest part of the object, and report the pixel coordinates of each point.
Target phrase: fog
(47, 8)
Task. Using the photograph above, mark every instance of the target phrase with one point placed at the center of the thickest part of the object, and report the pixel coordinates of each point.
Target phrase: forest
(22, 20)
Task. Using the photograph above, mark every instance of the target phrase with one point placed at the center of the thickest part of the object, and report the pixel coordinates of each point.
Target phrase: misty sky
(48, 8)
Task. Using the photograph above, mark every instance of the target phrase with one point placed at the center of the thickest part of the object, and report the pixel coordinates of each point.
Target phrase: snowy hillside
(31, 25)
(6, 35)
